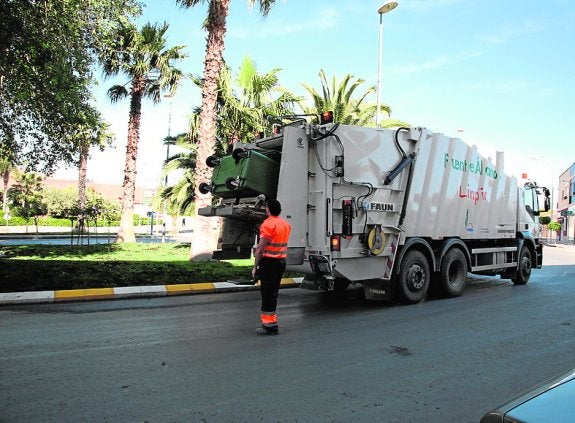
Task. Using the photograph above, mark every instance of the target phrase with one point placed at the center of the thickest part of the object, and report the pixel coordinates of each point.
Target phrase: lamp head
(388, 6)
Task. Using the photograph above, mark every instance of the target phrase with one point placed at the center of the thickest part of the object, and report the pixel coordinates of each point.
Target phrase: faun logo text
(386, 207)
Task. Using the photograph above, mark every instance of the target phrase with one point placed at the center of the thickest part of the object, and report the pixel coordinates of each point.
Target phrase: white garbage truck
(400, 211)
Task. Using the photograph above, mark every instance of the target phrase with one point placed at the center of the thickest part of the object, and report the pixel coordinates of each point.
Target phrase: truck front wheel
(414, 277)
(524, 268)
(453, 273)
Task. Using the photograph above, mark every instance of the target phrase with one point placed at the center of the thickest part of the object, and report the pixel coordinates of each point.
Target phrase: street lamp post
(167, 141)
(388, 6)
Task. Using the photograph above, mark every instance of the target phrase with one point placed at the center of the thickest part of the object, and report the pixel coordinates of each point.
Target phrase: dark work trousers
(270, 271)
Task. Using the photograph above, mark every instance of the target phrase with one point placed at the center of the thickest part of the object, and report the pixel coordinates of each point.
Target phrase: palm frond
(117, 92)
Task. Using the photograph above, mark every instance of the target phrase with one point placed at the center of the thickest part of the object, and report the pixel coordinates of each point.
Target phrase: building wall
(566, 203)
(109, 192)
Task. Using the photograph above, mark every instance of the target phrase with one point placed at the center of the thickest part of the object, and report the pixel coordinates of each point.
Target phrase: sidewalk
(567, 244)
(39, 297)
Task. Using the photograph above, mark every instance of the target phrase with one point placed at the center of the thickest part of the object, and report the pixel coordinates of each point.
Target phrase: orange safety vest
(277, 231)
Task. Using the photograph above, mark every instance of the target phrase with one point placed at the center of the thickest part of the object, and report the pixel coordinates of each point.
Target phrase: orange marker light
(335, 244)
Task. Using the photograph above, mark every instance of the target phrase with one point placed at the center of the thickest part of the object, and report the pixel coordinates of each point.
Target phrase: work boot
(264, 331)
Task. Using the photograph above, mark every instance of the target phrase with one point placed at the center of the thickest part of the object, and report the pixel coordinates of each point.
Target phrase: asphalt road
(197, 359)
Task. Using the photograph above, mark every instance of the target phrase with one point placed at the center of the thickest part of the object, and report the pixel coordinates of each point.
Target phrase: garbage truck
(403, 212)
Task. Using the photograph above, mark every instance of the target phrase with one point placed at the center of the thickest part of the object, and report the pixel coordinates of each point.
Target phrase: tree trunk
(205, 229)
(126, 230)
(5, 180)
(84, 149)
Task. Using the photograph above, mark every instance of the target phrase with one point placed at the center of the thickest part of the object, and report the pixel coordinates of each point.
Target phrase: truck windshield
(531, 200)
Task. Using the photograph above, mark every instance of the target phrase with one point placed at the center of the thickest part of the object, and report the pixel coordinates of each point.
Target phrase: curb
(39, 297)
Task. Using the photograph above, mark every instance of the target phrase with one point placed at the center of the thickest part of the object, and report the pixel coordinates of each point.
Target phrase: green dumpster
(246, 177)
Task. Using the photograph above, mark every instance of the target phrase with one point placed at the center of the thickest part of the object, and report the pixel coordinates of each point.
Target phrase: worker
(270, 264)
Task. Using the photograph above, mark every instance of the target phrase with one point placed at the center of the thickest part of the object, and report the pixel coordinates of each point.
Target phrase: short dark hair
(274, 207)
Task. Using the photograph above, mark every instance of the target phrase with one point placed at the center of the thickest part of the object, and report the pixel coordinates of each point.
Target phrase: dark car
(551, 401)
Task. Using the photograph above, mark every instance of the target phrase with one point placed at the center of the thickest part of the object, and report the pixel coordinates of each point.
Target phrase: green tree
(6, 167)
(63, 204)
(213, 61)
(88, 135)
(26, 197)
(48, 50)
(554, 227)
(338, 97)
(59, 201)
(144, 58)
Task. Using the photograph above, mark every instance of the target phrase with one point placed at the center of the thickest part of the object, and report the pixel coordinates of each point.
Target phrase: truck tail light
(335, 243)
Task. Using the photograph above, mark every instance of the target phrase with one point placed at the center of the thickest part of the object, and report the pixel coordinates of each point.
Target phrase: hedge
(53, 221)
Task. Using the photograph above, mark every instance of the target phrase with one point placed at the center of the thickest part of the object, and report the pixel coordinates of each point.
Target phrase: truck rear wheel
(524, 269)
(453, 273)
(414, 276)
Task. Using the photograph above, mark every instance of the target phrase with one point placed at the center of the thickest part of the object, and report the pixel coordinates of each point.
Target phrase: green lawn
(54, 267)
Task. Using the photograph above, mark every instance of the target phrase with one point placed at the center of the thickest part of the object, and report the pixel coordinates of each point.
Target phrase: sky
(498, 74)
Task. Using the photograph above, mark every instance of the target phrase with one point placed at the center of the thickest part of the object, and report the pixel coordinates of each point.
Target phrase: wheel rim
(415, 278)
(526, 265)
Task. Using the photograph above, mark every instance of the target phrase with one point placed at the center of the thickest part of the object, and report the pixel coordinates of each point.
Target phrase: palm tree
(180, 197)
(26, 196)
(243, 104)
(213, 61)
(143, 57)
(338, 97)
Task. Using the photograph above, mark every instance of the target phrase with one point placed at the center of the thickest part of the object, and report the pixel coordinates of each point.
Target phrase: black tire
(414, 277)
(213, 161)
(453, 273)
(240, 153)
(524, 267)
(205, 188)
(231, 184)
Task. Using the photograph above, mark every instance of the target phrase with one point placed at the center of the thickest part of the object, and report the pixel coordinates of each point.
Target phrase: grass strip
(61, 267)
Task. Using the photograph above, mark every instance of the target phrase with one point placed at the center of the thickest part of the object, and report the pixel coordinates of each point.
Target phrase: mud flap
(377, 289)
(538, 262)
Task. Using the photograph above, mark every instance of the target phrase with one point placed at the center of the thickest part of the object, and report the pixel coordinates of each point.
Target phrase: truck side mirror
(547, 205)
